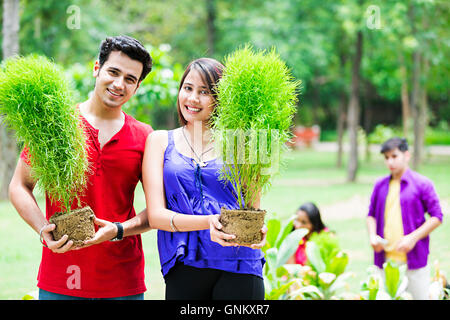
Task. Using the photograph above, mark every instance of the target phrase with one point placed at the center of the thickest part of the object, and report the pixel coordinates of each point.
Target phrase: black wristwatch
(119, 235)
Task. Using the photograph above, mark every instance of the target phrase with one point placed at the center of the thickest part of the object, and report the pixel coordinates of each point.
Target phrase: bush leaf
(290, 245)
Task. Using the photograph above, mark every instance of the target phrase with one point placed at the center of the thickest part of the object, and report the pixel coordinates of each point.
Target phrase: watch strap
(119, 235)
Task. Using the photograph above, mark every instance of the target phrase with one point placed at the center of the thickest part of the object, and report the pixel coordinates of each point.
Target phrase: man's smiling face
(117, 79)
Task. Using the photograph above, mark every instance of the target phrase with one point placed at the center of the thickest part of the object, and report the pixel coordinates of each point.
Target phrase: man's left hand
(106, 231)
(406, 244)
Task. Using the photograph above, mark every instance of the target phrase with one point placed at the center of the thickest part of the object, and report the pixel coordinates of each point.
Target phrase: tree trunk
(353, 110)
(368, 114)
(340, 127)
(420, 123)
(341, 116)
(10, 47)
(406, 109)
(10, 44)
(210, 25)
(316, 102)
(416, 94)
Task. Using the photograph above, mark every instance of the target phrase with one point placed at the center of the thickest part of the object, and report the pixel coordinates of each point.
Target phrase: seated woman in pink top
(307, 216)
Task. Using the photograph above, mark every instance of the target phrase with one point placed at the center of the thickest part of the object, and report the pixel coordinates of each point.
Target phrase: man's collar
(405, 176)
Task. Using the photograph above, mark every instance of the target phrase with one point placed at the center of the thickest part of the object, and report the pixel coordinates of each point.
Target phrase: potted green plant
(36, 101)
(256, 101)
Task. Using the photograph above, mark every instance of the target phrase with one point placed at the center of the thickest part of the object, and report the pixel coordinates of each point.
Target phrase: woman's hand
(217, 235)
(263, 241)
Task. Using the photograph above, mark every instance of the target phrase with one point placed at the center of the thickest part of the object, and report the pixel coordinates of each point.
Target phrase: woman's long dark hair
(314, 217)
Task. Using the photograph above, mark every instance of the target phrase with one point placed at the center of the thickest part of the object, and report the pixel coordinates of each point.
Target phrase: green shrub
(251, 124)
(433, 136)
(281, 244)
(392, 288)
(37, 102)
(439, 135)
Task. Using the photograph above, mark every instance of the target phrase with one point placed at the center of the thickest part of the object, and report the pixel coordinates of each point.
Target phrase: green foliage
(433, 136)
(50, 28)
(328, 263)
(322, 278)
(393, 276)
(251, 124)
(439, 135)
(327, 246)
(281, 244)
(392, 288)
(315, 38)
(34, 295)
(383, 133)
(38, 104)
(155, 100)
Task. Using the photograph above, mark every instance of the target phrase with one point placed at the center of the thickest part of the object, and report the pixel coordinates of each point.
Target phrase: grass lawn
(308, 176)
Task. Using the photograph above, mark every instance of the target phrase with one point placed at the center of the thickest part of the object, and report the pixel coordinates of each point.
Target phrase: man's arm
(108, 230)
(431, 204)
(137, 225)
(372, 230)
(408, 242)
(21, 196)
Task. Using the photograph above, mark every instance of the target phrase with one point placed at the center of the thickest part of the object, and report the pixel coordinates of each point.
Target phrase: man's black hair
(131, 47)
(394, 143)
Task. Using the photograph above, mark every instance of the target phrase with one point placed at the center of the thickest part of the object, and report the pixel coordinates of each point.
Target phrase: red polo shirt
(109, 269)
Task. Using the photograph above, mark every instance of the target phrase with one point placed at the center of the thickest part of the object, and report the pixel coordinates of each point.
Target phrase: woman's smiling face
(195, 100)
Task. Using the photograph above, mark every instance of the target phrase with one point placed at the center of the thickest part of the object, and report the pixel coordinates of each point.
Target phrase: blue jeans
(46, 295)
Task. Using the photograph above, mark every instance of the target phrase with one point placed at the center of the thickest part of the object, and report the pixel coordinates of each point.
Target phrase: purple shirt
(417, 196)
(190, 189)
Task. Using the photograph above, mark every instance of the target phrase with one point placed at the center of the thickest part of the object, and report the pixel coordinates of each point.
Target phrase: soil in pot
(245, 224)
(78, 224)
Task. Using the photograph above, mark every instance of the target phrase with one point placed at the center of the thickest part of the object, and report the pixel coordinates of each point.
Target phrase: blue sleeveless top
(191, 189)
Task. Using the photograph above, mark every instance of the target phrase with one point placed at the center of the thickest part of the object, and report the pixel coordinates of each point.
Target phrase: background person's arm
(372, 230)
(408, 242)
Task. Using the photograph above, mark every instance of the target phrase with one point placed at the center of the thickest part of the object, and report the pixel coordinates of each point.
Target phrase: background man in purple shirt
(417, 196)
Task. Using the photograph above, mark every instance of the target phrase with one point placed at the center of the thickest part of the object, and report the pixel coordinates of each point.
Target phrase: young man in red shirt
(102, 268)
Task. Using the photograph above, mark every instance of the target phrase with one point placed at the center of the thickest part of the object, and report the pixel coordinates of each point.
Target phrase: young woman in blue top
(184, 196)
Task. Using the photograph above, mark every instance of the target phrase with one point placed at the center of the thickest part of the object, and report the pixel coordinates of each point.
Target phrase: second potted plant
(251, 125)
